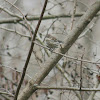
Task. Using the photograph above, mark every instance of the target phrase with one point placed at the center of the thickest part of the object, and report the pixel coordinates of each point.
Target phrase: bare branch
(23, 18)
(31, 18)
(53, 60)
(18, 33)
(64, 55)
(30, 51)
(74, 11)
(10, 13)
(6, 93)
(14, 69)
(67, 88)
(69, 83)
(93, 92)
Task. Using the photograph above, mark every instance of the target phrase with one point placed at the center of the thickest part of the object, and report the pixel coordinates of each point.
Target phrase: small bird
(52, 42)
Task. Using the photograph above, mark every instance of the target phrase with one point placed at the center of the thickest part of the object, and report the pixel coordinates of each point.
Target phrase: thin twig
(74, 11)
(81, 77)
(87, 61)
(15, 7)
(34, 18)
(10, 13)
(67, 88)
(30, 51)
(6, 93)
(14, 31)
(69, 83)
(14, 70)
(91, 96)
(24, 18)
(5, 96)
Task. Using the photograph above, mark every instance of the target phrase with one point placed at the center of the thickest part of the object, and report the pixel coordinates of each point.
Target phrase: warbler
(52, 42)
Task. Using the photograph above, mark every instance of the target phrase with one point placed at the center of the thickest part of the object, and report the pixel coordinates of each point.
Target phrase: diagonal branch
(53, 60)
(30, 50)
